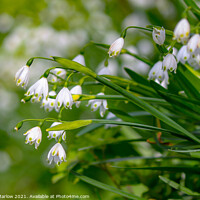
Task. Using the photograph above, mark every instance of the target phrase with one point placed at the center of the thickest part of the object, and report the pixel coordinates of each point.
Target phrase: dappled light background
(62, 28)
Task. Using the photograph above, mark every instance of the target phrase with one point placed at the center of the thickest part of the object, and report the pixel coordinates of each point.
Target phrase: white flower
(158, 35)
(79, 59)
(76, 90)
(99, 103)
(192, 44)
(56, 154)
(34, 135)
(156, 72)
(169, 63)
(64, 97)
(164, 83)
(38, 90)
(183, 55)
(104, 71)
(116, 47)
(22, 76)
(55, 134)
(49, 103)
(182, 31)
(59, 73)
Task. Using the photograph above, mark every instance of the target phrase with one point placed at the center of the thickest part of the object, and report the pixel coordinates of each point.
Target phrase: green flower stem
(85, 97)
(123, 34)
(39, 120)
(125, 51)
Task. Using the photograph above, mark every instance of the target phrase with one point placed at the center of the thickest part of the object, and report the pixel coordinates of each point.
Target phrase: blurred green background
(48, 27)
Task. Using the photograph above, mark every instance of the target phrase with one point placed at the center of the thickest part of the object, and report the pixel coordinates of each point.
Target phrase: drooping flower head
(49, 103)
(156, 72)
(193, 43)
(22, 76)
(76, 90)
(58, 73)
(116, 47)
(182, 31)
(158, 35)
(64, 98)
(169, 63)
(56, 154)
(183, 54)
(99, 103)
(39, 89)
(34, 135)
(55, 134)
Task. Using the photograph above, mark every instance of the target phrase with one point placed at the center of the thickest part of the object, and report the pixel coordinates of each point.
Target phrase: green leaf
(104, 186)
(178, 186)
(194, 170)
(147, 107)
(70, 125)
(58, 177)
(134, 125)
(189, 81)
(184, 105)
(136, 77)
(76, 66)
(195, 8)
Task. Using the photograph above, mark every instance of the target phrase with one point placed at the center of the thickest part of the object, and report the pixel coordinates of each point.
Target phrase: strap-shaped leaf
(70, 65)
(178, 186)
(107, 187)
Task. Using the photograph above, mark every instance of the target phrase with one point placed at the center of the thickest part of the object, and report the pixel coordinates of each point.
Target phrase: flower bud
(18, 126)
(116, 47)
(158, 35)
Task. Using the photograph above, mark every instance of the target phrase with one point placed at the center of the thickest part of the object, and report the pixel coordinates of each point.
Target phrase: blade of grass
(104, 186)
(178, 186)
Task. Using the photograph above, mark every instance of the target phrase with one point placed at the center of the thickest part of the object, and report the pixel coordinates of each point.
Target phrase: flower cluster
(54, 100)
(189, 52)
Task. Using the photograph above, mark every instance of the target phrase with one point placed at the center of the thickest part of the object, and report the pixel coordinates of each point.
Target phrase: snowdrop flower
(76, 90)
(104, 71)
(183, 55)
(156, 72)
(38, 90)
(64, 97)
(56, 154)
(99, 103)
(182, 31)
(169, 63)
(158, 35)
(34, 135)
(59, 72)
(55, 134)
(22, 76)
(192, 44)
(49, 103)
(79, 59)
(116, 47)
